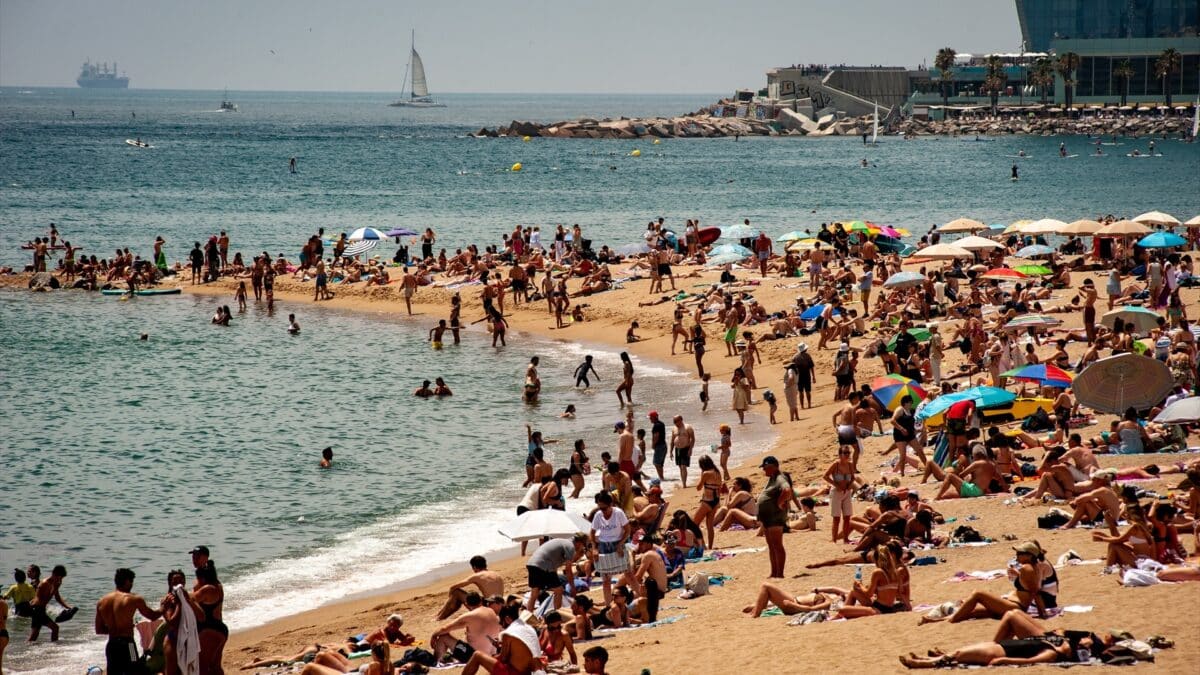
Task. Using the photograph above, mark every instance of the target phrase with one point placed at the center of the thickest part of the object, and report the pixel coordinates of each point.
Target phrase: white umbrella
(1183, 411)
(545, 523)
(963, 225)
(1043, 226)
(1083, 226)
(1194, 222)
(944, 251)
(1156, 218)
(359, 247)
(633, 249)
(974, 243)
(739, 232)
(1123, 227)
(731, 249)
(366, 233)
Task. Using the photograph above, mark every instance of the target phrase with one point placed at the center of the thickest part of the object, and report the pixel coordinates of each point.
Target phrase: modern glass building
(1043, 21)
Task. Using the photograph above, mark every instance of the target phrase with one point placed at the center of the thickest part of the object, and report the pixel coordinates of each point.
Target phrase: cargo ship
(98, 76)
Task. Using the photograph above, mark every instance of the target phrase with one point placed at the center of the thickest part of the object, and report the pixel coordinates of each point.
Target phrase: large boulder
(43, 281)
(524, 128)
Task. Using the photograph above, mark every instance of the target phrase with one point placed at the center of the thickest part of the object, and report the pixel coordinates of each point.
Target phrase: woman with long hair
(209, 596)
(709, 486)
(886, 593)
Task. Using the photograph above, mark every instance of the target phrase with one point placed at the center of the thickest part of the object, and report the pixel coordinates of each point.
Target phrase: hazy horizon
(535, 46)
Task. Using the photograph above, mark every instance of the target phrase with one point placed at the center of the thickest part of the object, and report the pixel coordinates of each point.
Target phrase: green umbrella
(921, 334)
(1033, 270)
(858, 226)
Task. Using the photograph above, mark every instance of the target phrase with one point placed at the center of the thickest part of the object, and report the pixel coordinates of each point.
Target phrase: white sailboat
(418, 96)
(875, 128)
(1196, 120)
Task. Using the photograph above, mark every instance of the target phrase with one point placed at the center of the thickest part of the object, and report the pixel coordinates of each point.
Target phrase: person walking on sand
(763, 249)
(840, 476)
(805, 374)
(114, 618)
(791, 391)
(749, 354)
(683, 439)
(626, 385)
(408, 286)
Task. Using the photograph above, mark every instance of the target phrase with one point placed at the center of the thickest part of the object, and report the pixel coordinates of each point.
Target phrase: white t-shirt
(611, 529)
(530, 500)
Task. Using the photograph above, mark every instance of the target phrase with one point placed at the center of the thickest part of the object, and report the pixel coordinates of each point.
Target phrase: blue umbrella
(401, 232)
(905, 280)
(1162, 240)
(731, 249)
(815, 311)
(1035, 251)
(984, 397)
(739, 232)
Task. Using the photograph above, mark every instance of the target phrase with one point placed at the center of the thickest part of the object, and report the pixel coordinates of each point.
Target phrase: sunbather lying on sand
(1019, 640)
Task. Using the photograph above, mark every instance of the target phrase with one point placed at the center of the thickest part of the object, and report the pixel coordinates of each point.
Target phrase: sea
(118, 452)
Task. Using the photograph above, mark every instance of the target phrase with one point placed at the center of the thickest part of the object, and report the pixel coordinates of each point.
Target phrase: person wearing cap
(772, 512)
(199, 556)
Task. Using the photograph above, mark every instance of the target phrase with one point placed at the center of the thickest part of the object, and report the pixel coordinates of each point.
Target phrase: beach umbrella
(739, 232)
(1122, 228)
(857, 226)
(1032, 321)
(984, 397)
(905, 280)
(794, 235)
(1081, 227)
(1162, 240)
(633, 249)
(1144, 320)
(1003, 274)
(1043, 226)
(943, 251)
(724, 259)
(921, 334)
(962, 225)
(401, 232)
(545, 523)
(974, 243)
(1035, 251)
(1194, 222)
(803, 244)
(889, 391)
(1034, 270)
(1017, 226)
(731, 249)
(366, 233)
(1183, 411)
(814, 311)
(1156, 218)
(1046, 374)
(1113, 384)
(889, 231)
(359, 247)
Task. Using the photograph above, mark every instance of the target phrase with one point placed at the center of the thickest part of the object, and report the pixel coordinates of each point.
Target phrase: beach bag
(417, 655)
(1053, 519)
(696, 585)
(1038, 421)
(966, 534)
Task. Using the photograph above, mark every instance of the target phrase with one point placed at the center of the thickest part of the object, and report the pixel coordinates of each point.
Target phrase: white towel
(187, 637)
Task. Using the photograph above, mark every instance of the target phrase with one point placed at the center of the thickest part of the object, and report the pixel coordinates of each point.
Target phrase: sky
(528, 46)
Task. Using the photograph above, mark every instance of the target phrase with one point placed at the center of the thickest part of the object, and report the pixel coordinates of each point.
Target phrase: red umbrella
(1003, 274)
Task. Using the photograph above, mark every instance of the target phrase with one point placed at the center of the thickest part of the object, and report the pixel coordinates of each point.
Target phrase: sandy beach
(805, 447)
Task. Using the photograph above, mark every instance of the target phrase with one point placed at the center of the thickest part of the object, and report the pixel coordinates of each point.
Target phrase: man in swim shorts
(625, 449)
(408, 286)
(114, 618)
(481, 624)
(435, 334)
(46, 591)
(847, 431)
(488, 582)
(683, 438)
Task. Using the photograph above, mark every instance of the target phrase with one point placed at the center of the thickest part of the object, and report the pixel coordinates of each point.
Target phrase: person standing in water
(114, 618)
(581, 373)
(626, 379)
(292, 165)
(1015, 174)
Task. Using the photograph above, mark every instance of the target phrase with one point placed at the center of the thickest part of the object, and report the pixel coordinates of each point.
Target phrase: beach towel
(976, 575)
(656, 624)
(187, 637)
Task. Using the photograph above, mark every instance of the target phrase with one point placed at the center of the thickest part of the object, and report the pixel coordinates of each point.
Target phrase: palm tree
(994, 79)
(1123, 72)
(1168, 63)
(1042, 76)
(944, 62)
(1066, 64)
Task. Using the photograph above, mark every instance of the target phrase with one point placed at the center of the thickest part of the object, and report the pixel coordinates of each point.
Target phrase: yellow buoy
(517, 166)
(636, 153)
(657, 141)
(525, 138)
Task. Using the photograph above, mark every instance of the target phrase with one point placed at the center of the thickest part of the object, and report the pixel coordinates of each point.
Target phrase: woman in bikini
(551, 493)
(740, 507)
(678, 331)
(1136, 542)
(710, 496)
(579, 468)
(840, 476)
(886, 593)
(1030, 572)
(554, 641)
(616, 615)
(1020, 640)
(818, 600)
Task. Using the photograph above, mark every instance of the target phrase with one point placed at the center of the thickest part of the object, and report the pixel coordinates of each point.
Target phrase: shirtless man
(46, 591)
(518, 652)
(114, 618)
(1089, 309)
(1079, 459)
(1100, 501)
(683, 439)
(408, 286)
(625, 442)
(390, 633)
(518, 282)
(650, 575)
(488, 582)
(980, 477)
(845, 424)
(816, 260)
(481, 623)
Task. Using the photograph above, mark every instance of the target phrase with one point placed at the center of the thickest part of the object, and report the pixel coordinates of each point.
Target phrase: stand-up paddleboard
(1067, 156)
(138, 144)
(708, 235)
(1019, 156)
(1144, 154)
(142, 291)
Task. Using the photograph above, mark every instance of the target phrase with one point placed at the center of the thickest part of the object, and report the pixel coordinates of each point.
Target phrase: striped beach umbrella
(889, 391)
(905, 280)
(1032, 321)
(365, 233)
(794, 235)
(1035, 251)
(1046, 374)
(1113, 384)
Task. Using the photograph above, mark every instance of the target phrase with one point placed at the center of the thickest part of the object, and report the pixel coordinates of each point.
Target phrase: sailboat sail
(419, 86)
(1196, 120)
(875, 125)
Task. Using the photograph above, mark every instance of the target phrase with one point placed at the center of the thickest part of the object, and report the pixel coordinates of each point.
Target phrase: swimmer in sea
(440, 389)
(435, 334)
(581, 372)
(326, 458)
(423, 391)
(293, 326)
(569, 413)
(1020, 153)
(1015, 175)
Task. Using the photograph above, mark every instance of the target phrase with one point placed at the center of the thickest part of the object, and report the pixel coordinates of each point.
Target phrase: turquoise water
(123, 453)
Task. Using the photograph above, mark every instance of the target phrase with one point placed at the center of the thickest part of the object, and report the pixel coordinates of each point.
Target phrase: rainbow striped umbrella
(1045, 374)
(890, 389)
